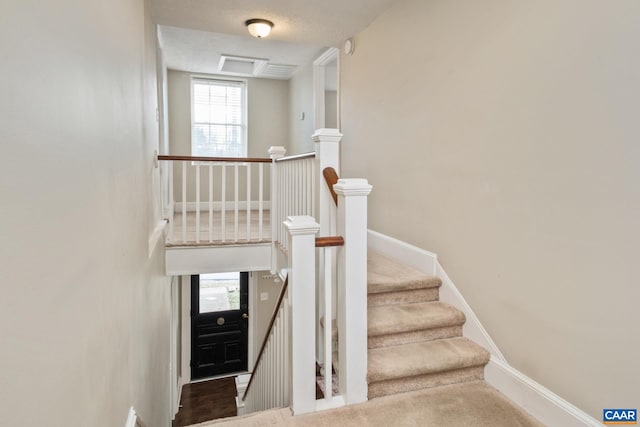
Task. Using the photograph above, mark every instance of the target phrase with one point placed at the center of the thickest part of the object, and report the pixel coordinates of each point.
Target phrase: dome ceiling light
(259, 28)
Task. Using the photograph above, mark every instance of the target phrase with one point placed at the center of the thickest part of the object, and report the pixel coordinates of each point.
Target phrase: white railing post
(352, 288)
(276, 152)
(302, 232)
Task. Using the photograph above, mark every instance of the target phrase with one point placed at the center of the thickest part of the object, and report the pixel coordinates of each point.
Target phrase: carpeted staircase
(415, 341)
(415, 348)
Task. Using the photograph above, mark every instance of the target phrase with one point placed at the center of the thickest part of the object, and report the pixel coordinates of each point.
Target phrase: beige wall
(268, 112)
(504, 137)
(301, 101)
(84, 312)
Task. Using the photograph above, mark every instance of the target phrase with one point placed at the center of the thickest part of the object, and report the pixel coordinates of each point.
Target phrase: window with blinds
(218, 118)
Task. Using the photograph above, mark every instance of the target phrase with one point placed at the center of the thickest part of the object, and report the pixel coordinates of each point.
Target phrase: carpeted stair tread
(385, 274)
(396, 319)
(424, 358)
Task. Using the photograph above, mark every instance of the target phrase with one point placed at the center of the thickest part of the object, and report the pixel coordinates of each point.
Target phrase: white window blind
(219, 118)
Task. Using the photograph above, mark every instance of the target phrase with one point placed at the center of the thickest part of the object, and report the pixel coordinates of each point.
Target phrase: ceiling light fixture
(259, 28)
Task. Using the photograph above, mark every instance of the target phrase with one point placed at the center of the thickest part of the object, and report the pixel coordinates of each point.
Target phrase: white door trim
(318, 86)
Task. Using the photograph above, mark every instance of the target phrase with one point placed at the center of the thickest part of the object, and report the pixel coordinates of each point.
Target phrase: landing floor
(472, 404)
(207, 400)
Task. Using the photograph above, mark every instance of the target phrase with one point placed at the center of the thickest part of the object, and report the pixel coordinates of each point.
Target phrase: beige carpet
(415, 342)
(421, 370)
(472, 404)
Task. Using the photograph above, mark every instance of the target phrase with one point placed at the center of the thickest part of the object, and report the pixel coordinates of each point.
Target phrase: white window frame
(245, 110)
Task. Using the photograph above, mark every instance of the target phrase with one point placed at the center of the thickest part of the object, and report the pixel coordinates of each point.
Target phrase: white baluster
(287, 352)
(260, 199)
(328, 314)
(184, 201)
(172, 202)
(248, 201)
(210, 202)
(223, 208)
(198, 202)
(235, 204)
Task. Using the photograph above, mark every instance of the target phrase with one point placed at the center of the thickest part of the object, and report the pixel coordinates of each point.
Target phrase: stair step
(410, 323)
(414, 366)
(391, 282)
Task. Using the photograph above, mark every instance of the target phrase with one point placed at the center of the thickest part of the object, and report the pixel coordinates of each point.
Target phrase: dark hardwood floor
(210, 400)
(206, 401)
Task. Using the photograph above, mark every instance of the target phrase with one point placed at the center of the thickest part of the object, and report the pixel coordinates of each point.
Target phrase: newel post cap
(276, 152)
(300, 225)
(352, 187)
(327, 135)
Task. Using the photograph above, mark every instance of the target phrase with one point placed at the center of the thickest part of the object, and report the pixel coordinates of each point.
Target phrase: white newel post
(275, 152)
(327, 148)
(302, 232)
(352, 288)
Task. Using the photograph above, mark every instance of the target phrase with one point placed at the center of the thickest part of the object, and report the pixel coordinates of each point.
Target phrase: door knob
(245, 316)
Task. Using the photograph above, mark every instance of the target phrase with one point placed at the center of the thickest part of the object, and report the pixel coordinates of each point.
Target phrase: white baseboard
(472, 328)
(217, 206)
(537, 400)
(540, 402)
(176, 403)
(412, 256)
(133, 420)
(156, 235)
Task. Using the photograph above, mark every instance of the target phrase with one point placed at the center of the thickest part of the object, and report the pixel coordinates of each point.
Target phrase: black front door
(219, 312)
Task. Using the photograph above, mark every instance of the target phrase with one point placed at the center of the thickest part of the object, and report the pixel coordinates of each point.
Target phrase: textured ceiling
(199, 51)
(314, 22)
(195, 33)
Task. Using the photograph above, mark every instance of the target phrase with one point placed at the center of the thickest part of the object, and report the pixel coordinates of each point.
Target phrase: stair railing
(213, 200)
(271, 375)
(350, 246)
(326, 277)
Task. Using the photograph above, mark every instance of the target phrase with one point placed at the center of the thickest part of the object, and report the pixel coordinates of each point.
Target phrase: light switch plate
(264, 296)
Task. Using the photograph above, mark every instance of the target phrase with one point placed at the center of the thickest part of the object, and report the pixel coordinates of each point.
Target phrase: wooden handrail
(297, 157)
(283, 291)
(331, 178)
(216, 159)
(325, 242)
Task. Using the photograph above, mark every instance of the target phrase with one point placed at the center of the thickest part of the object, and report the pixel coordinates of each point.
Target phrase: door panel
(218, 338)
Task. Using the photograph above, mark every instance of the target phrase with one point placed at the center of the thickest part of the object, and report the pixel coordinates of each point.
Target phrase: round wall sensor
(349, 47)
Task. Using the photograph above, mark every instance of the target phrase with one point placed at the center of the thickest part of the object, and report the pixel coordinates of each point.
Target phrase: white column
(302, 232)
(327, 148)
(352, 288)
(276, 152)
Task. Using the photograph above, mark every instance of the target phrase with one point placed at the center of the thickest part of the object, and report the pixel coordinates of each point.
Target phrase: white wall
(504, 137)
(84, 312)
